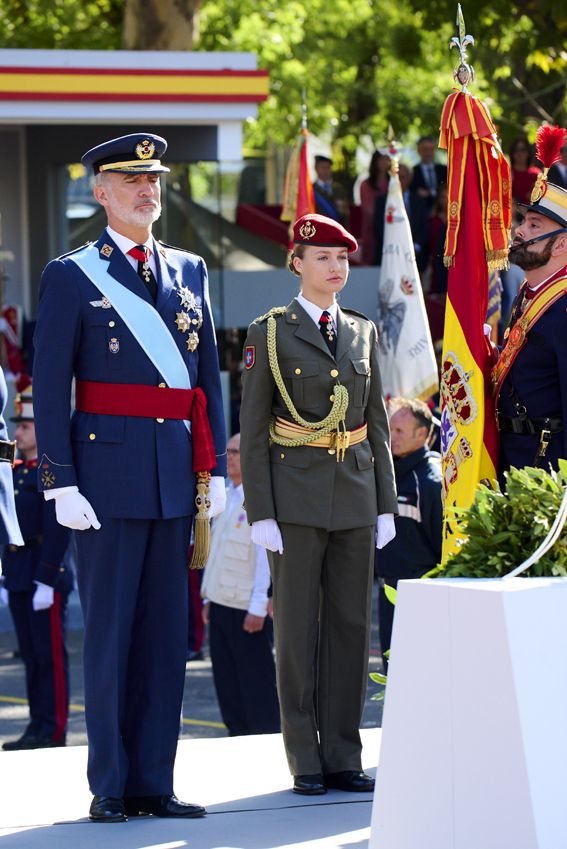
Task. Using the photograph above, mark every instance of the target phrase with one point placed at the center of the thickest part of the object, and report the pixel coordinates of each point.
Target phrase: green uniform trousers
(322, 587)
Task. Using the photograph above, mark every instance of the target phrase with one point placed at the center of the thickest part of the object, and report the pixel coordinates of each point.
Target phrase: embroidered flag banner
(479, 218)
(407, 358)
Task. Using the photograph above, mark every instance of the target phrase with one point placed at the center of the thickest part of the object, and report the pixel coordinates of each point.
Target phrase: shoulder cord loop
(335, 420)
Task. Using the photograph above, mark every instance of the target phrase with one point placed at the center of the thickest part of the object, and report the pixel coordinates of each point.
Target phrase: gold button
(111, 323)
(293, 316)
(161, 385)
(92, 436)
(160, 421)
(282, 456)
(26, 471)
(331, 451)
(331, 397)
(372, 459)
(16, 492)
(61, 568)
(298, 371)
(334, 372)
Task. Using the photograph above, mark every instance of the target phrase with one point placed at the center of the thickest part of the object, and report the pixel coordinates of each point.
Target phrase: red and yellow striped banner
(478, 234)
(129, 84)
(298, 197)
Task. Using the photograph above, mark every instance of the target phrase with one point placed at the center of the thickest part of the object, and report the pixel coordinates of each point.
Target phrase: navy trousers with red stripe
(42, 647)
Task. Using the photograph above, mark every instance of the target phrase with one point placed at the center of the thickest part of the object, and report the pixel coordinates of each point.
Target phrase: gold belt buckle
(342, 442)
(544, 440)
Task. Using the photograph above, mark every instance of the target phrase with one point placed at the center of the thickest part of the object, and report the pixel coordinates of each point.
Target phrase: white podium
(474, 735)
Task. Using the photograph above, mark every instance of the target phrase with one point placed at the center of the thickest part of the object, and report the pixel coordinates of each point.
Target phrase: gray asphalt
(201, 715)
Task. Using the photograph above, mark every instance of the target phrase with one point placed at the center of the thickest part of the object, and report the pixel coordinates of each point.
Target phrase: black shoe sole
(306, 792)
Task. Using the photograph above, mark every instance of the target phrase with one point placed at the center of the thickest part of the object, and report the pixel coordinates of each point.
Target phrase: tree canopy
(364, 64)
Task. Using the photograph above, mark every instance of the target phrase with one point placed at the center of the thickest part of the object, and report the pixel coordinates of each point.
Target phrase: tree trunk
(160, 24)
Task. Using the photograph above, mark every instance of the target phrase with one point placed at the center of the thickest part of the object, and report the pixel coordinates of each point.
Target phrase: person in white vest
(235, 592)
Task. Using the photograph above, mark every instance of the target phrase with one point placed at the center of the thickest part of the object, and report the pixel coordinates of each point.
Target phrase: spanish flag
(478, 231)
(298, 199)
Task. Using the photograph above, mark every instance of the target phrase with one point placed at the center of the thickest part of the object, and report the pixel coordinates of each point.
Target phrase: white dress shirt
(314, 312)
(124, 244)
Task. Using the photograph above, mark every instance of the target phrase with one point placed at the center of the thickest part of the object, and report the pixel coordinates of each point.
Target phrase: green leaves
(390, 593)
(503, 529)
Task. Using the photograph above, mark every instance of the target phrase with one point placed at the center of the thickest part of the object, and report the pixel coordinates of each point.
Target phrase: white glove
(217, 495)
(4, 597)
(42, 597)
(74, 511)
(487, 330)
(385, 529)
(266, 533)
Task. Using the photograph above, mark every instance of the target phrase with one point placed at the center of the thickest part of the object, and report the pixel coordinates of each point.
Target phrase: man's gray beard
(136, 217)
(529, 260)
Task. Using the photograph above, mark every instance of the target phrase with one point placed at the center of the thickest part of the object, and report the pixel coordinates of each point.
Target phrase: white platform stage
(243, 781)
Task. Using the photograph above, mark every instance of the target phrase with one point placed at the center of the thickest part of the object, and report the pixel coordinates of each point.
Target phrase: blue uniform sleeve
(56, 342)
(209, 377)
(55, 540)
(560, 347)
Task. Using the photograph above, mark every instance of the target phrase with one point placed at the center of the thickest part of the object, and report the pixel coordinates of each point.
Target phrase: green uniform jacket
(305, 485)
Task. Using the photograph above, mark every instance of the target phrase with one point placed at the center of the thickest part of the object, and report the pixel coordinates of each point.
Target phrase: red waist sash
(154, 402)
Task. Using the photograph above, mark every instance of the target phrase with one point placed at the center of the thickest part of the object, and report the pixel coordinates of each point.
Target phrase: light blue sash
(143, 321)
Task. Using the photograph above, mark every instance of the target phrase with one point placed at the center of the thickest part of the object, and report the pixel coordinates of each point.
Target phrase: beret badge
(307, 230)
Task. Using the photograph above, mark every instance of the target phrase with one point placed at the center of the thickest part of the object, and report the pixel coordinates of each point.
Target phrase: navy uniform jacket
(539, 378)
(416, 547)
(9, 530)
(127, 467)
(46, 541)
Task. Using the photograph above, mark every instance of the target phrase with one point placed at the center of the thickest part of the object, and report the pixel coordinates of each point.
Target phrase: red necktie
(141, 253)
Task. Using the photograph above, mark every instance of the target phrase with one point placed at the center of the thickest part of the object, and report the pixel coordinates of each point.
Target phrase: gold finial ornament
(463, 73)
(393, 152)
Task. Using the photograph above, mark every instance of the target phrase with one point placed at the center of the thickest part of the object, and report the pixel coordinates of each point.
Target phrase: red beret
(322, 232)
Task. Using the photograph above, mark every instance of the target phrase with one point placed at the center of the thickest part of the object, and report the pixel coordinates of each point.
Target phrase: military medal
(183, 321)
(191, 316)
(327, 321)
(192, 341)
(187, 298)
(114, 345)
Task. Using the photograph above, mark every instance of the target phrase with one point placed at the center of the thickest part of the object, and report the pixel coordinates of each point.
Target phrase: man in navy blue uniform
(9, 529)
(416, 548)
(38, 582)
(130, 319)
(530, 378)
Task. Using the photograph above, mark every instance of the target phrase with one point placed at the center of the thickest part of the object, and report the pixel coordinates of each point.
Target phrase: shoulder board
(175, 248)
(76, 250)
(273, 312)
(355, 312)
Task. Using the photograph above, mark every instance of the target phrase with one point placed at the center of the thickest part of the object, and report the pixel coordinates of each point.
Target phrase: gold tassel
(497, 260)
(202, 535)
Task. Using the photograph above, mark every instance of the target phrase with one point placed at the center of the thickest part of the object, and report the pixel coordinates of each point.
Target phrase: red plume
(549, 141)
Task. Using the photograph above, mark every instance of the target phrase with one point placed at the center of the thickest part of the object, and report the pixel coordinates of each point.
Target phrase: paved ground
(201, 716)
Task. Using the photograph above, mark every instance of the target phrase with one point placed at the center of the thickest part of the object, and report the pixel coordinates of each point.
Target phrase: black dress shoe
(309, 785)
(31, 741)
(161, 806)
(107, 809)
(350, 780)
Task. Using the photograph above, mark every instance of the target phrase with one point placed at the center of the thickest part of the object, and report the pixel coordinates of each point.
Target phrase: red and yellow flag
(298, 199)
(479, 218)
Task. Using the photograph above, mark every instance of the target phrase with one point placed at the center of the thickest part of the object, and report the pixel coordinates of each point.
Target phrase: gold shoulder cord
(334, 421)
